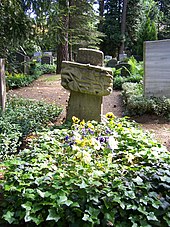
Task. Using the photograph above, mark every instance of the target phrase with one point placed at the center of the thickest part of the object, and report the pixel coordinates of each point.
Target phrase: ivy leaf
(86, 217)
(82, 185)
(62, 199)
(27, 205)
(68, 202)
(9, 217)
(42, 194)
(151, 217)
(138, 180)
(52, 216)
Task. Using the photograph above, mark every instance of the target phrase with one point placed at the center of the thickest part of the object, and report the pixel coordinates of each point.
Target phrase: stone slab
(90, 56)
(2, 85)
(47, 60)
(84, 106)
(157, 68)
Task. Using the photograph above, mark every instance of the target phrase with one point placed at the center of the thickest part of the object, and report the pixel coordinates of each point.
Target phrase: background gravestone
(2, 85)
(47, 58)
(157, 68)
(111, 63)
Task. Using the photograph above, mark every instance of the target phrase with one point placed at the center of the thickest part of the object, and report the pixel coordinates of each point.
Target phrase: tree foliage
(15, 26)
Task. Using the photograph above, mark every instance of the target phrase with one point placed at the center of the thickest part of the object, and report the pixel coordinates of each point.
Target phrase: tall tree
(117, 14)
(62, 48)
(123, 26)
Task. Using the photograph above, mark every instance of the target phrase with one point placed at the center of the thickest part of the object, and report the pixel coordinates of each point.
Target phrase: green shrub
(137, 104)
(135, 74)
(23, 116)
(46, 68)
(106, 174)
(16, 80)
(118, 81)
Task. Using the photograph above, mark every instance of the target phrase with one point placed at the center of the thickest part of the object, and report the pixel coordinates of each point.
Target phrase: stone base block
(84, 106)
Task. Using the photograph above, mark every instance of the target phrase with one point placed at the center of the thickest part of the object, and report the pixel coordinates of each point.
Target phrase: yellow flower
(110, 115)
(89, 125)
(75, 120)
(82, 123)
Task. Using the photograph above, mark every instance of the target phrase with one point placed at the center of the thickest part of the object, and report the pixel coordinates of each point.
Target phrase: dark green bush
(118, 81)
(23, 116)
(135, 74)
(137, 104)
(46, 68)
(106, 174)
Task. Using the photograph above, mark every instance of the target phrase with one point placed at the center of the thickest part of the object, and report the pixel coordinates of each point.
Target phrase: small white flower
(86, 157)
(75, 148)
(113, 143)
(95, 143)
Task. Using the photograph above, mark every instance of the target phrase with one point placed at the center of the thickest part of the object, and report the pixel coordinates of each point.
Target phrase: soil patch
(48, 88)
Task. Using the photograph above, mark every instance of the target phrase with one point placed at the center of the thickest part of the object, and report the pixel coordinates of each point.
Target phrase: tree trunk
(62, 49)
(123, 26)
(101, 14)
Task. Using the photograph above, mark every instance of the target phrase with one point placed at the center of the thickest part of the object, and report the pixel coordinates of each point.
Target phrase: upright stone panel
(157, 68)
(2, 85)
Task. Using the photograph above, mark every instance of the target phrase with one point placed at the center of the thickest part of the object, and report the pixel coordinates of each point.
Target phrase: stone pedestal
(85, 106)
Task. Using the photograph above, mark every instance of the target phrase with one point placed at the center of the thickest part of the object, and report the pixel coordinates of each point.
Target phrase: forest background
(63, 26)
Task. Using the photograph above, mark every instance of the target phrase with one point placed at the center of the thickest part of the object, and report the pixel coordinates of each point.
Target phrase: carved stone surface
(90, 56)
(85, 78)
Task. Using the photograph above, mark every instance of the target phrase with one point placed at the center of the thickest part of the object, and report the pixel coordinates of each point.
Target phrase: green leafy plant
(23, 116)
(137, 104)
(94, 174)
(135, 74)
(16, 80)
(46, 68)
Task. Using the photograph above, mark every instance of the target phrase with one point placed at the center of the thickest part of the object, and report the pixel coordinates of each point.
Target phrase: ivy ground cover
(92, 174)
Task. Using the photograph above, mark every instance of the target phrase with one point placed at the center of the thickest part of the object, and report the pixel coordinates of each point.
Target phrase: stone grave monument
(111, 63)
(88, 81)
(157, 68)
(2, 85)
(47, 58)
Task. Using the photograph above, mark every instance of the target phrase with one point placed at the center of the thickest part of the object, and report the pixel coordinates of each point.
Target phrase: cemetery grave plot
(48, 88)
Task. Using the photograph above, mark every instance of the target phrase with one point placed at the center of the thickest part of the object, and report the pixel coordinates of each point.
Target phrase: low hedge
(23, 116)
(16, 80)
(137, 104)
(106, 174)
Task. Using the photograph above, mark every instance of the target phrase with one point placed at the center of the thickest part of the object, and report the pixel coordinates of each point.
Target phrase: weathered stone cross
(88, 81)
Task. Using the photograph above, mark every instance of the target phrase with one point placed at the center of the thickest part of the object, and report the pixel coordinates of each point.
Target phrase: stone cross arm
(86, 78)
